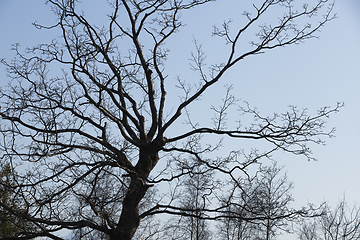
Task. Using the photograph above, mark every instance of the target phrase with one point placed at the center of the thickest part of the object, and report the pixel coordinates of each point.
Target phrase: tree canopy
(88, 115)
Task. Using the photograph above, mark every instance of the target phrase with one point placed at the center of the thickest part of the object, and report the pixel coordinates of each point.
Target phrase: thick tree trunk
(129, 219)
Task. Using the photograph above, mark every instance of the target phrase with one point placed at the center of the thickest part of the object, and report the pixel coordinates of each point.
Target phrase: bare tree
(343, 222)
(261, 207)
(271, 200)
(87, 115)
(197, 189)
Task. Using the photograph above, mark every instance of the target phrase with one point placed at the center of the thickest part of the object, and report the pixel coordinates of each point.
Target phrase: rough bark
(130, 219)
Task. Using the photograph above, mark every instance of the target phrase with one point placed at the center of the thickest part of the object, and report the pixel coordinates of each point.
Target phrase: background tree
(343, 222)
(261, 207)
(271, 199)
(88, 114)
(194, 197)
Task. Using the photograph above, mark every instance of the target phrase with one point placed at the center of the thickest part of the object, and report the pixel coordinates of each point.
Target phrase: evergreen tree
(10, 224)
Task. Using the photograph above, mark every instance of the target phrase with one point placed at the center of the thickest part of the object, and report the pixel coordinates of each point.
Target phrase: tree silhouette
(261, 207)
(342, 222)
(194, 197)
(89, 115)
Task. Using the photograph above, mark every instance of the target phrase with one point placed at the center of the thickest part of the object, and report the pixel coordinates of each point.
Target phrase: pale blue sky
(318, 73)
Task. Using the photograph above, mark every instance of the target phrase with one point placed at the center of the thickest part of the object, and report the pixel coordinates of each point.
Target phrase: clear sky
(318, 73)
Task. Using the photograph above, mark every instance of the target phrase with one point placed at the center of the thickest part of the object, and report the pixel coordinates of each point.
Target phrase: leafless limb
(86, 115)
